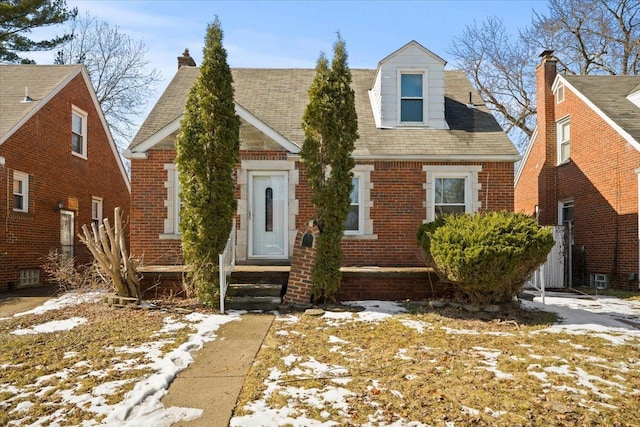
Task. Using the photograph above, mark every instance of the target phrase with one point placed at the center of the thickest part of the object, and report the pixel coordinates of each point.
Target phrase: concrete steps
(253, 296)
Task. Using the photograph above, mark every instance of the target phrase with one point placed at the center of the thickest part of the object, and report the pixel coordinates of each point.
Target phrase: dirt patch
(17, 304)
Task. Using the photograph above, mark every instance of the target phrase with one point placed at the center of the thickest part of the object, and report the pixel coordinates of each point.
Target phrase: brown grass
(466, 368)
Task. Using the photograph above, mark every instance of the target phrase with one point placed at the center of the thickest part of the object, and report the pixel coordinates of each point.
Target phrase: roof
(609, 95)
(278, 97)
(41, 81)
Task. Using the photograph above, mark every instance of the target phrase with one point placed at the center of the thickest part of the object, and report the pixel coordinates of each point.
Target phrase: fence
(552, 273)
(226, 264)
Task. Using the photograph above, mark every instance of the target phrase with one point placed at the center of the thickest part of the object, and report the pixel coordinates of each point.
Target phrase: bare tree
(588, 37)
(118, 69)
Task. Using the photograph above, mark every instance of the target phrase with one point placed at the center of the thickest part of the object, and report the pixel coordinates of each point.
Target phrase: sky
(291, 34)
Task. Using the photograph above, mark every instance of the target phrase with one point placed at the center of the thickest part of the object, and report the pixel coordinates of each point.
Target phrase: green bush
(487, 256)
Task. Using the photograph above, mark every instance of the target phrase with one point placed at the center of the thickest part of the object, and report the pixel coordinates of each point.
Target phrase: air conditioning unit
(600, 281)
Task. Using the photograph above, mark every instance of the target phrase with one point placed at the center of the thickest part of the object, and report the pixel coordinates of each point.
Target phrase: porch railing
(226, 264)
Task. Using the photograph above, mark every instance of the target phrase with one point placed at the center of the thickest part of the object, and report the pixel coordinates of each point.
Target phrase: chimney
(186, 60)
(546, 124)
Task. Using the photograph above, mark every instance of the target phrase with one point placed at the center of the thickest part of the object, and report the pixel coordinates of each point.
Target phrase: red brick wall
(600, 178)
(42, 149)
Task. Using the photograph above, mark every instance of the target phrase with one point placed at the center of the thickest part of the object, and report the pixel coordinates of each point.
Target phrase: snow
(609, 318)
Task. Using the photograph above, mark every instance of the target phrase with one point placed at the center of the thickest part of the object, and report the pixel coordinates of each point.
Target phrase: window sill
(566, 162)
(81, 156)
(360, 237)
(170, 236)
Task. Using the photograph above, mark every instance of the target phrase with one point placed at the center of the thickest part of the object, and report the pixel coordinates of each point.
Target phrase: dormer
(408, 90)
(634, 96)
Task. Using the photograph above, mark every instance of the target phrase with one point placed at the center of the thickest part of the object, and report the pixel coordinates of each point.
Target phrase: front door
(66, 233)
(268, 215)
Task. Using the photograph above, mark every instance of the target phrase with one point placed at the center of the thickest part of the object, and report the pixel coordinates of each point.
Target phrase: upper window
(96, 211)
(450, 195)
(411, 97)
(560, 94)
(564, 140)
(20, 191)
(355, 219)
(79, 132)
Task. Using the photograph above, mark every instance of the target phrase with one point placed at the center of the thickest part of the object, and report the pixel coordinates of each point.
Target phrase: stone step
(264, 303)
(254, 290)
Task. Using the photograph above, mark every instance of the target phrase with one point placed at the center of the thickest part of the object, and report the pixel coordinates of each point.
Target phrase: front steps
(255, 287)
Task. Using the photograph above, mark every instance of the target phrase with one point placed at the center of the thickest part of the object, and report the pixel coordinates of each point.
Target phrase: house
(581, 169)
(59, 167)
(427, 145)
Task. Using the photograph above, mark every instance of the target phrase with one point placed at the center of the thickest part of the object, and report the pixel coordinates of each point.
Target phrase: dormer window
(411, 97)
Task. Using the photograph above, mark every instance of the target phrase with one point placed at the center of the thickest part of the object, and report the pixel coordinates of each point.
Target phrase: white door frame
(71, 235)
(250, 207)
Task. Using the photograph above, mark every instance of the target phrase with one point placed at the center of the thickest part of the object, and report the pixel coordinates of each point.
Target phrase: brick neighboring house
(427, 145)
(582, 167)
(59, 167)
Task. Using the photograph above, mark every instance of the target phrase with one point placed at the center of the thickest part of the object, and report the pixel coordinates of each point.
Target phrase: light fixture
(58, 206)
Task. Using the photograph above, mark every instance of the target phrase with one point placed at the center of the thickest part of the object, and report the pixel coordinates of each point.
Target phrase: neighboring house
(582, 169)
(427, 145)
(59, 167)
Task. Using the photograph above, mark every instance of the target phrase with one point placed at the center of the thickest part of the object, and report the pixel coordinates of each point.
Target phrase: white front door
(268, 215)
(66, 233)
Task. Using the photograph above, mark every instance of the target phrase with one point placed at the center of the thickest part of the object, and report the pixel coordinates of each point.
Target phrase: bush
(487, 256)
(425, 231)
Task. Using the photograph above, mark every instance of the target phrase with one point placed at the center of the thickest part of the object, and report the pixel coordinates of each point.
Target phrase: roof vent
(27, 98)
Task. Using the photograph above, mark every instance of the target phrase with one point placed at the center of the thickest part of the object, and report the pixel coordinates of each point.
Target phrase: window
(20, 192)
(560, 94)
(566, 212)
(355, 219)
(564, 141)
(411, 97)
(79, 132)
(449, 196)
(96, 211)
(172, 203)
(29, 277)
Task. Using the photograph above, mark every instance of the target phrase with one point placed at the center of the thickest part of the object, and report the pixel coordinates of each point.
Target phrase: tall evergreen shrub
(330, 125)
(207, 151)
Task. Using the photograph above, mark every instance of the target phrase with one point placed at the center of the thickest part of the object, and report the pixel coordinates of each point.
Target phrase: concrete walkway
(214, 380)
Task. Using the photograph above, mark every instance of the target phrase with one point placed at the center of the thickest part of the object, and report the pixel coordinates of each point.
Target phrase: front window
(96, 211)
(564, 141)
(411, 97)
(20, 192)
(450, 196)
(354, 221)
(79, 132)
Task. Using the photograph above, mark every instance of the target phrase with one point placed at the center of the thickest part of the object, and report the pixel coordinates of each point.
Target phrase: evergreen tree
(207, 150)
(330, 125)
(20, 17)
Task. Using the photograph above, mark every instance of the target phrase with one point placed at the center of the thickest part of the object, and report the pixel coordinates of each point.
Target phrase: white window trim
(365, 223)
(561, 205)
(172, 203)
(472, 186)
(560, 94)
(559, 125)
(83, 115)
(21, 176)
(425, 113)
(98, 201)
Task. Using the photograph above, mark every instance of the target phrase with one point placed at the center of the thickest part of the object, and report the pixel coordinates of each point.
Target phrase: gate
(552, 270)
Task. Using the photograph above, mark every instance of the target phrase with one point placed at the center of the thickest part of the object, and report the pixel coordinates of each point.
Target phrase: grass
(439, 366)
(38, 370)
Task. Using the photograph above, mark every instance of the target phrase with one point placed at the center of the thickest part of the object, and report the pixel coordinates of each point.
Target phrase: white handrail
(225, 268)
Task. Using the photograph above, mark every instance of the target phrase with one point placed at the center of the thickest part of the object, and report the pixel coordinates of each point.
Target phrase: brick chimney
(546, 123)
(186, 60)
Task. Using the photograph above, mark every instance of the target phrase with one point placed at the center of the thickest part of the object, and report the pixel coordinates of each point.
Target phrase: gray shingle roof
(278, 97)
(609, 94)
(41, 81)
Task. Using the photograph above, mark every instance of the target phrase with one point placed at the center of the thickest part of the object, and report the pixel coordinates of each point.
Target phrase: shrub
(488, 256)
(425, 231)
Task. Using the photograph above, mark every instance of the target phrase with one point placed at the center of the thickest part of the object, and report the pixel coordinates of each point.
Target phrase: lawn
(442, 367)
(391, 364)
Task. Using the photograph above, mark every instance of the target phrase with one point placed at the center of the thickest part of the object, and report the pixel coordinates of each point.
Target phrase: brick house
(59, 167)
(427, 145)
(581, 168)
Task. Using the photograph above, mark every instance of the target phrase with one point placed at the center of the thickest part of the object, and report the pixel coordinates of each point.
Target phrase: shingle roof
(609, 94)
(41, 81)
(278, 97)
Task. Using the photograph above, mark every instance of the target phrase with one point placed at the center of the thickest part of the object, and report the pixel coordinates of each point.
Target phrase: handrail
(225, 268)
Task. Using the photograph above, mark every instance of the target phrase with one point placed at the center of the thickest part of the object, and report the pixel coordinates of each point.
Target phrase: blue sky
(286, 34)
